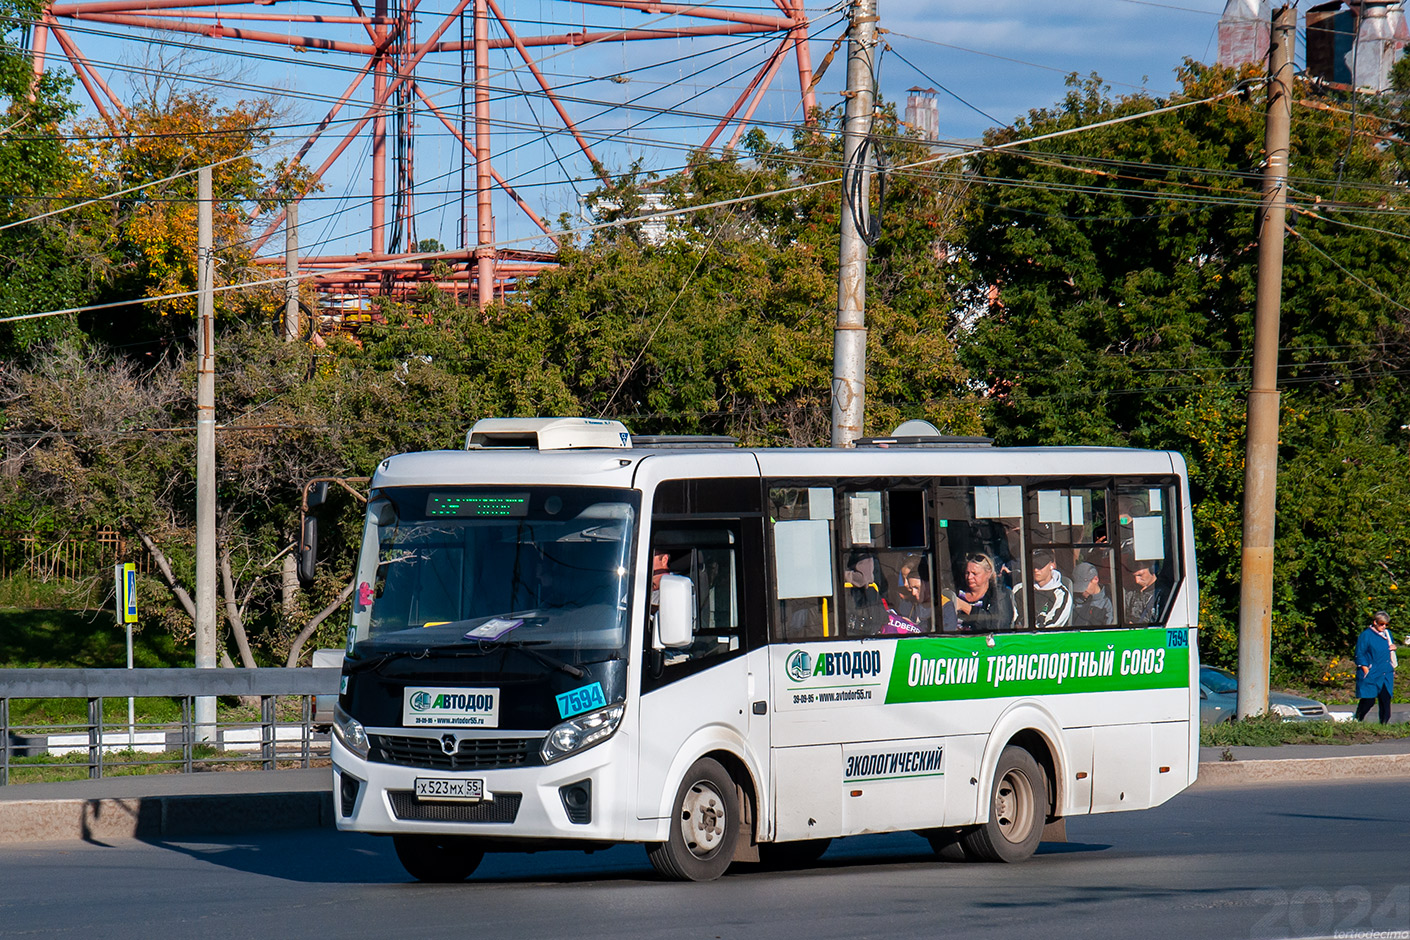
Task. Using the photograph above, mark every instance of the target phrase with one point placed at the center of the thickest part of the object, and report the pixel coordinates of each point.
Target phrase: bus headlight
(350, 732)
(582, 732)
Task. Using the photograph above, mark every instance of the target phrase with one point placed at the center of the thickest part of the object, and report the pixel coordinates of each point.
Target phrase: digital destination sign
(476, 505)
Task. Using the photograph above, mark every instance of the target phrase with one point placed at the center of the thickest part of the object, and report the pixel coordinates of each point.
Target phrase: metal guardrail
(111, 743)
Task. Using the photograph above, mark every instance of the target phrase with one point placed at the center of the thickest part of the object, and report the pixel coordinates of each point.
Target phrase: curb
(162, 817)
(178, 816)
(1241, 772)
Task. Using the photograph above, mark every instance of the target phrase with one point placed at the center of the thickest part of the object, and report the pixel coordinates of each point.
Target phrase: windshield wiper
(524, 646)
(474, 648)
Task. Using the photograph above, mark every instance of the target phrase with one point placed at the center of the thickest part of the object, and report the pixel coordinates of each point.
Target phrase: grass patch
(52, 768)
(80, 639)
(55, 594)
(1270, 730)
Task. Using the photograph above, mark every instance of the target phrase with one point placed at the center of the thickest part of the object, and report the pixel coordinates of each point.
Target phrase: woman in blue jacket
(1375, 677)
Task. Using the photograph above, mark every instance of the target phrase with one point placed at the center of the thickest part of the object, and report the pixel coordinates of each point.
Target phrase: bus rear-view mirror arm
(316, 494)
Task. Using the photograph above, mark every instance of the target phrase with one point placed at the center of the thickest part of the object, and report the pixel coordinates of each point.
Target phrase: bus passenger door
(702, 698)
(851, 576)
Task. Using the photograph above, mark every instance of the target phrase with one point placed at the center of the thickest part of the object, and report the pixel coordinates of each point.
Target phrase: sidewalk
(177, 806)
(1289, 762)
(166, 806)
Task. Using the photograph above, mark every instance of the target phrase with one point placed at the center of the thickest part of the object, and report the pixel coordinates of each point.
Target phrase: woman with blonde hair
(985, 605)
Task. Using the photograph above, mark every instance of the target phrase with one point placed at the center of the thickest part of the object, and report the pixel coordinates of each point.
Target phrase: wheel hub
(1013, 804)
(703, 820)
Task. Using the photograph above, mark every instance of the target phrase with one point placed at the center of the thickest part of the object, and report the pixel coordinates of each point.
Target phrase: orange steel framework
(390, 54)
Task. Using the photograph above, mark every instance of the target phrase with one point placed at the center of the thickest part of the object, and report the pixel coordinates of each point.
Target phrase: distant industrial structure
(1350, 43)
(923, 113)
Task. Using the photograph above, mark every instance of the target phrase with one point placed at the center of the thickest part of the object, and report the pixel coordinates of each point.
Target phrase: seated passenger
(1145, 601)
(984, 605)
(1052, 600)
(1091, 605)
(912, 595)
(866, 611)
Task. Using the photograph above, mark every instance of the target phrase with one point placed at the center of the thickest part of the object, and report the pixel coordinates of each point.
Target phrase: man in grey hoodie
(1091, 605)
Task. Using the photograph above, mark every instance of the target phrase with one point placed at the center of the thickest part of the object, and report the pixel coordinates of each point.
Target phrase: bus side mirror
(675, 612)
(308, 550)
(315, 495)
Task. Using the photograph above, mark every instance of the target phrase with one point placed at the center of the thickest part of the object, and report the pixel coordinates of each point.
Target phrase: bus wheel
(1017, 807)
(705, 827)
(781, 856)
(440, 859)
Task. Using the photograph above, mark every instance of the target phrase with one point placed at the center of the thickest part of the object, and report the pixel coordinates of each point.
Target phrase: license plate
(436, 788)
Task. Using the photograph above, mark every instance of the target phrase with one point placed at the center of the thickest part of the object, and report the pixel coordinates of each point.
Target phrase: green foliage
(1114, 281)
(724, 324)
(39, 268)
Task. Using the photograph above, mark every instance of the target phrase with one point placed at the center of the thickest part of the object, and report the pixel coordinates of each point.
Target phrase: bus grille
(472, 753)
(504, 808)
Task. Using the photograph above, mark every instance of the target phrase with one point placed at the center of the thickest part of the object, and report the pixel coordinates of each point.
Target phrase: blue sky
(1014, 55)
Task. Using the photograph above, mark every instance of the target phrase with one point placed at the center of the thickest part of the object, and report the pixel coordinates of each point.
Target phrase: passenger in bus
(866, 586)
(660, 564)
(1146, 600)
(1052, 600)
(995, 539)
(1091, 605)
(984, 605)
(912, 597)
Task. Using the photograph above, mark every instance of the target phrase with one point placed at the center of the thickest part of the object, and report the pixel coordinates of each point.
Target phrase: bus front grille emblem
(448, 743)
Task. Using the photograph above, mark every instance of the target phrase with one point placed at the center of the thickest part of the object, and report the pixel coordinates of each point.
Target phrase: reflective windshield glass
(1217, 680)
(538, 567)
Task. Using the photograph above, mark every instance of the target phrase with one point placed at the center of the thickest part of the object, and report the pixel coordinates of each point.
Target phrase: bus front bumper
(577, 798)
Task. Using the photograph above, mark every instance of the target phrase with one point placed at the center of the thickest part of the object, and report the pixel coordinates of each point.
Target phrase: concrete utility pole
(1261, 463)
(291, 270)
(849, 338)
(205, 448)
(484, 208)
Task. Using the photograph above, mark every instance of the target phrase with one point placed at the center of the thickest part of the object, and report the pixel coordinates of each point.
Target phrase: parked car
(323, 704)
(1218, 696)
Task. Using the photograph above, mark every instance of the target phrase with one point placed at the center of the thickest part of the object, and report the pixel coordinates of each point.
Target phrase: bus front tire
(438, 859)
(704, 827)
(1018, 806)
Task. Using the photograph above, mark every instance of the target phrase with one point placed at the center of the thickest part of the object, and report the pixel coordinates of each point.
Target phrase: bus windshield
(535, 567)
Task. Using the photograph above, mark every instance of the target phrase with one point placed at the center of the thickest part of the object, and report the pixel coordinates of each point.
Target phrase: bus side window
(1150, 566)
(981, 529)
(709, 556)
(801, 522)
(1067, 534)
(886, 568)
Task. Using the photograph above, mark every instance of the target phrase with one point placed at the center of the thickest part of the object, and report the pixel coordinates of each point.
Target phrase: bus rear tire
(704, 827)
(781, 856)
(1018, 806)
(438, 859)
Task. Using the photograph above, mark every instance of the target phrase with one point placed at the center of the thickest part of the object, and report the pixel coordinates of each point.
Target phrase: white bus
(562, 638)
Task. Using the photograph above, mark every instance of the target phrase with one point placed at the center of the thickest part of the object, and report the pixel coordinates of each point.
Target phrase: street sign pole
(125, 576)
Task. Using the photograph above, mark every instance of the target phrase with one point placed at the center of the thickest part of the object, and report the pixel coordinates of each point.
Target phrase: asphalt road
(1297, 860)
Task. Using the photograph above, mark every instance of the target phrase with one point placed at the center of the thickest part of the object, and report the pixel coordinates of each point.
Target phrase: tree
(725, 323)
(1112, 300)
(104, 441)
(44, 264)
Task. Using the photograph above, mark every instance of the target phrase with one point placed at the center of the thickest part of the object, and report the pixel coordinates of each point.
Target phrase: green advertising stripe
(937, 669)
